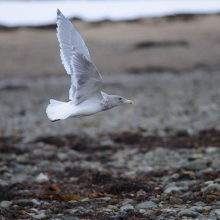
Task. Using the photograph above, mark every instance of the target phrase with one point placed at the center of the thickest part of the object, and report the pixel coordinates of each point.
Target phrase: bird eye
(120, 99)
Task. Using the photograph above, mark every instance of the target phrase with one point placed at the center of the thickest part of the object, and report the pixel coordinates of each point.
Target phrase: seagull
(86, 97)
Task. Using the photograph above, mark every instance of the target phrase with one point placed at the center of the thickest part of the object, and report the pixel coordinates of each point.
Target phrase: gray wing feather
(69, 38)
(89, 80)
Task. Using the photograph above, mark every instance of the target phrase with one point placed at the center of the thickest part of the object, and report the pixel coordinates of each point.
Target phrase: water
(34, 13)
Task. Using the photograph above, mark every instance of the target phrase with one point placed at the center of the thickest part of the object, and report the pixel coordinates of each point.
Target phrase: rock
(141, 192)
(156, 201)
(207, 208)
(107, 143)
(62, 156)
(70, 218)
(172, 189)
(212, 187)
(48, 212)
(72, 211)
(113, 207)
(40, 216)
(196, 165)
(127, 201)
(4, 169)
(42, 178)
(174, 200)
(149, 213)
(105, 198)
(126, 207)
(188, 213)
(142, 211)
(146, 205)
(197, 209)
(217, 212)
(35, 202)
(200, 204)
(5, 204)
(24, 202)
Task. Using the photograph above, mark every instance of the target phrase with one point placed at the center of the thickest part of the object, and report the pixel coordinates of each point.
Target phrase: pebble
(146, 205)
(105, 198)
(48, 212)
(217, 211)
(126, 207)
(24, 202)
(113, 207)
(197, 209)
(69, 218)
(196, 165)
(172, 189)
(212, 187)
(40, 216)
(149, 213)
(5, 204)
(127, 201)
(72, 211)
(188, 213)
(174, 200)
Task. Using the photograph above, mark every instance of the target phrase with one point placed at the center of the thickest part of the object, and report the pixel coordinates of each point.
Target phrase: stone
(107, 143)
(4, 169)
(24, 202)
(142, 211)
(207, 208)
(72, 211)
(141, 192)
(155, 200)
(127, 207)
(174, 200)
(70, 218)
(197, 209)
(188, 213)
(5, 204)
(196, 165)
(172, 189)
(40, 216)
(105, 198)
(35, 202)
(62, 156)
(48, 212)
(212, 187)
(217, 212)
(149, 213)
(127, 201)
(146, 205)
(113, 208)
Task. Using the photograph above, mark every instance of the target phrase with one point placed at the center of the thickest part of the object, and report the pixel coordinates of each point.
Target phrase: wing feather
(89, 80)
(68, 39)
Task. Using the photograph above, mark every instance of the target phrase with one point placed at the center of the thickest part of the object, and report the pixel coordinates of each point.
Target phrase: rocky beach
(156, 159)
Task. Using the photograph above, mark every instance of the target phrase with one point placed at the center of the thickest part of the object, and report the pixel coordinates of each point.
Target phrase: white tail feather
(57, 110)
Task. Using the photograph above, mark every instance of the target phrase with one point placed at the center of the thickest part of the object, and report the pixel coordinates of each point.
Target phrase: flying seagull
(86, 82)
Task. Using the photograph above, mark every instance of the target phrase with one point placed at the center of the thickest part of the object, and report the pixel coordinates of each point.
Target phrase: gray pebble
(212, 187)
(5, 204)
(145, 205)
(188, 213)
(196, 165)
(126, 207)
(70, 218)
(24, 202)
(172, 189)
(197, 209)
(72, 211)
(217, 212)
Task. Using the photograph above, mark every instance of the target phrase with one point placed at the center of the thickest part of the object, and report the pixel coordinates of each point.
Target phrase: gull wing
(69, 38)
(88, 78)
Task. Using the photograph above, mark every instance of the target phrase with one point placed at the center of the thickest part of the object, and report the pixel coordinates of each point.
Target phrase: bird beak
(128, 102)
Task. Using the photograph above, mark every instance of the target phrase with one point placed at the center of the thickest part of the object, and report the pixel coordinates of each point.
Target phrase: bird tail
(57, 110)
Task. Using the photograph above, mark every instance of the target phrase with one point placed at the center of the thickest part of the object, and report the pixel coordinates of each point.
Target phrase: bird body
(85, 91)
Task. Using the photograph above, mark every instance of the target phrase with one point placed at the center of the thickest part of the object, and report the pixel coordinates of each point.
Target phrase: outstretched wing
(69, 38)
(88, 78)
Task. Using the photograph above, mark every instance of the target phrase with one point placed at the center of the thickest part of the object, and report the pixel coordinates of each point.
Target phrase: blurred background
(164, 55)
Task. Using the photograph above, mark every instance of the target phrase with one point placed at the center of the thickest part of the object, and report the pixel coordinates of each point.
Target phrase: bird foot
(54, 120)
